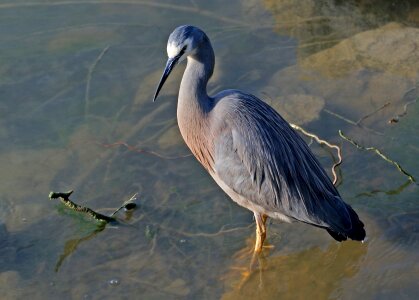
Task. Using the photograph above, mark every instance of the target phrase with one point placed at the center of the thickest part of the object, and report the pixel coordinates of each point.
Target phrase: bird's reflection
(312, 273)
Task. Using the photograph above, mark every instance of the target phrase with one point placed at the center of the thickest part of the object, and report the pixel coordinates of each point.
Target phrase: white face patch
(173, 50)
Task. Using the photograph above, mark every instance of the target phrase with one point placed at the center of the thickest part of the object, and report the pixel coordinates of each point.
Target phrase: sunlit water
(77, 77)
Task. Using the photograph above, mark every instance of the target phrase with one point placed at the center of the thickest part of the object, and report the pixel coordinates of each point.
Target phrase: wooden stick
(323, 142)
(382, 155)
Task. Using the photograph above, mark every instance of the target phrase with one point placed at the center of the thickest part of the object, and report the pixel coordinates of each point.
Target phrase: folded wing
(260, 157)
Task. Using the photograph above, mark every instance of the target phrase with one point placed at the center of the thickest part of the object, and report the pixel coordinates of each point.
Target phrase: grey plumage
(250, 150)
(285, 177)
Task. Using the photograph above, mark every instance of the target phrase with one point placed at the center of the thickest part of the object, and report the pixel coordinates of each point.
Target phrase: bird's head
(183, 42)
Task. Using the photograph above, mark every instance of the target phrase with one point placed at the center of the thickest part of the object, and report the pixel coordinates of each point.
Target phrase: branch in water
(411, 178)
(358, 123)
(397, 117)
(372, 113)
(323, 142)
(64, 198)
(127, 205)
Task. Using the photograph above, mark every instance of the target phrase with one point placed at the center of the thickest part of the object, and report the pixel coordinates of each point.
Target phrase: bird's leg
(260, 231)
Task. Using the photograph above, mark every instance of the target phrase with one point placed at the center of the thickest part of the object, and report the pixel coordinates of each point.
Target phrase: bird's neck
(194, 105)
(193, 88)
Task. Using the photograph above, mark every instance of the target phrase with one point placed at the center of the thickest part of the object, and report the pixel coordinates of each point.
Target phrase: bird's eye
(183, 50)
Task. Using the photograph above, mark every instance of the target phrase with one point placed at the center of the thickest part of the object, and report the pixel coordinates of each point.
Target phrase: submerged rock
(391, 48)
(299, 108)
(358, 75)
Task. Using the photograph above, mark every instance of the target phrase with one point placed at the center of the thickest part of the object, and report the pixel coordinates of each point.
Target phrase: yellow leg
(260, 231)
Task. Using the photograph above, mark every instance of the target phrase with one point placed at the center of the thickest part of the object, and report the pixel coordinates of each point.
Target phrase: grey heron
(250, 151)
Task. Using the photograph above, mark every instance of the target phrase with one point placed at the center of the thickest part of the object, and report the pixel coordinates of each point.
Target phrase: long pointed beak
(171, 63)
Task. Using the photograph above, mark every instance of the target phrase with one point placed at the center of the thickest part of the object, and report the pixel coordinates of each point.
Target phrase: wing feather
(260, 157)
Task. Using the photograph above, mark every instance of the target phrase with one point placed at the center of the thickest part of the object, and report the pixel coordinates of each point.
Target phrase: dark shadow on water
(71, 246)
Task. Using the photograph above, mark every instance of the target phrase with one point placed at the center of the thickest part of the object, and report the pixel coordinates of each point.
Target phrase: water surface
(76, 83)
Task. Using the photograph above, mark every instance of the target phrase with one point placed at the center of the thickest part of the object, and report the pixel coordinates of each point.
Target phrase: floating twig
(89, 79)
(372, 113)
(383, 156)
(72, 245)
(357, 123)
(323, 142)
(128, 205)
(396, 118)
(64, 197)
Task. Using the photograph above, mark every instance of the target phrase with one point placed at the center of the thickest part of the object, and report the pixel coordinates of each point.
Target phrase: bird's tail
(356, 232)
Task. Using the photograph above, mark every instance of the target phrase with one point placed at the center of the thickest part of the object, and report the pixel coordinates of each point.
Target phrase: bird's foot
(247, 264)
(260, 231)
(248, 267)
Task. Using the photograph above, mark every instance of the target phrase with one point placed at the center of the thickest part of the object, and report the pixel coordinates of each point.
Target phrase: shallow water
(76, 82)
